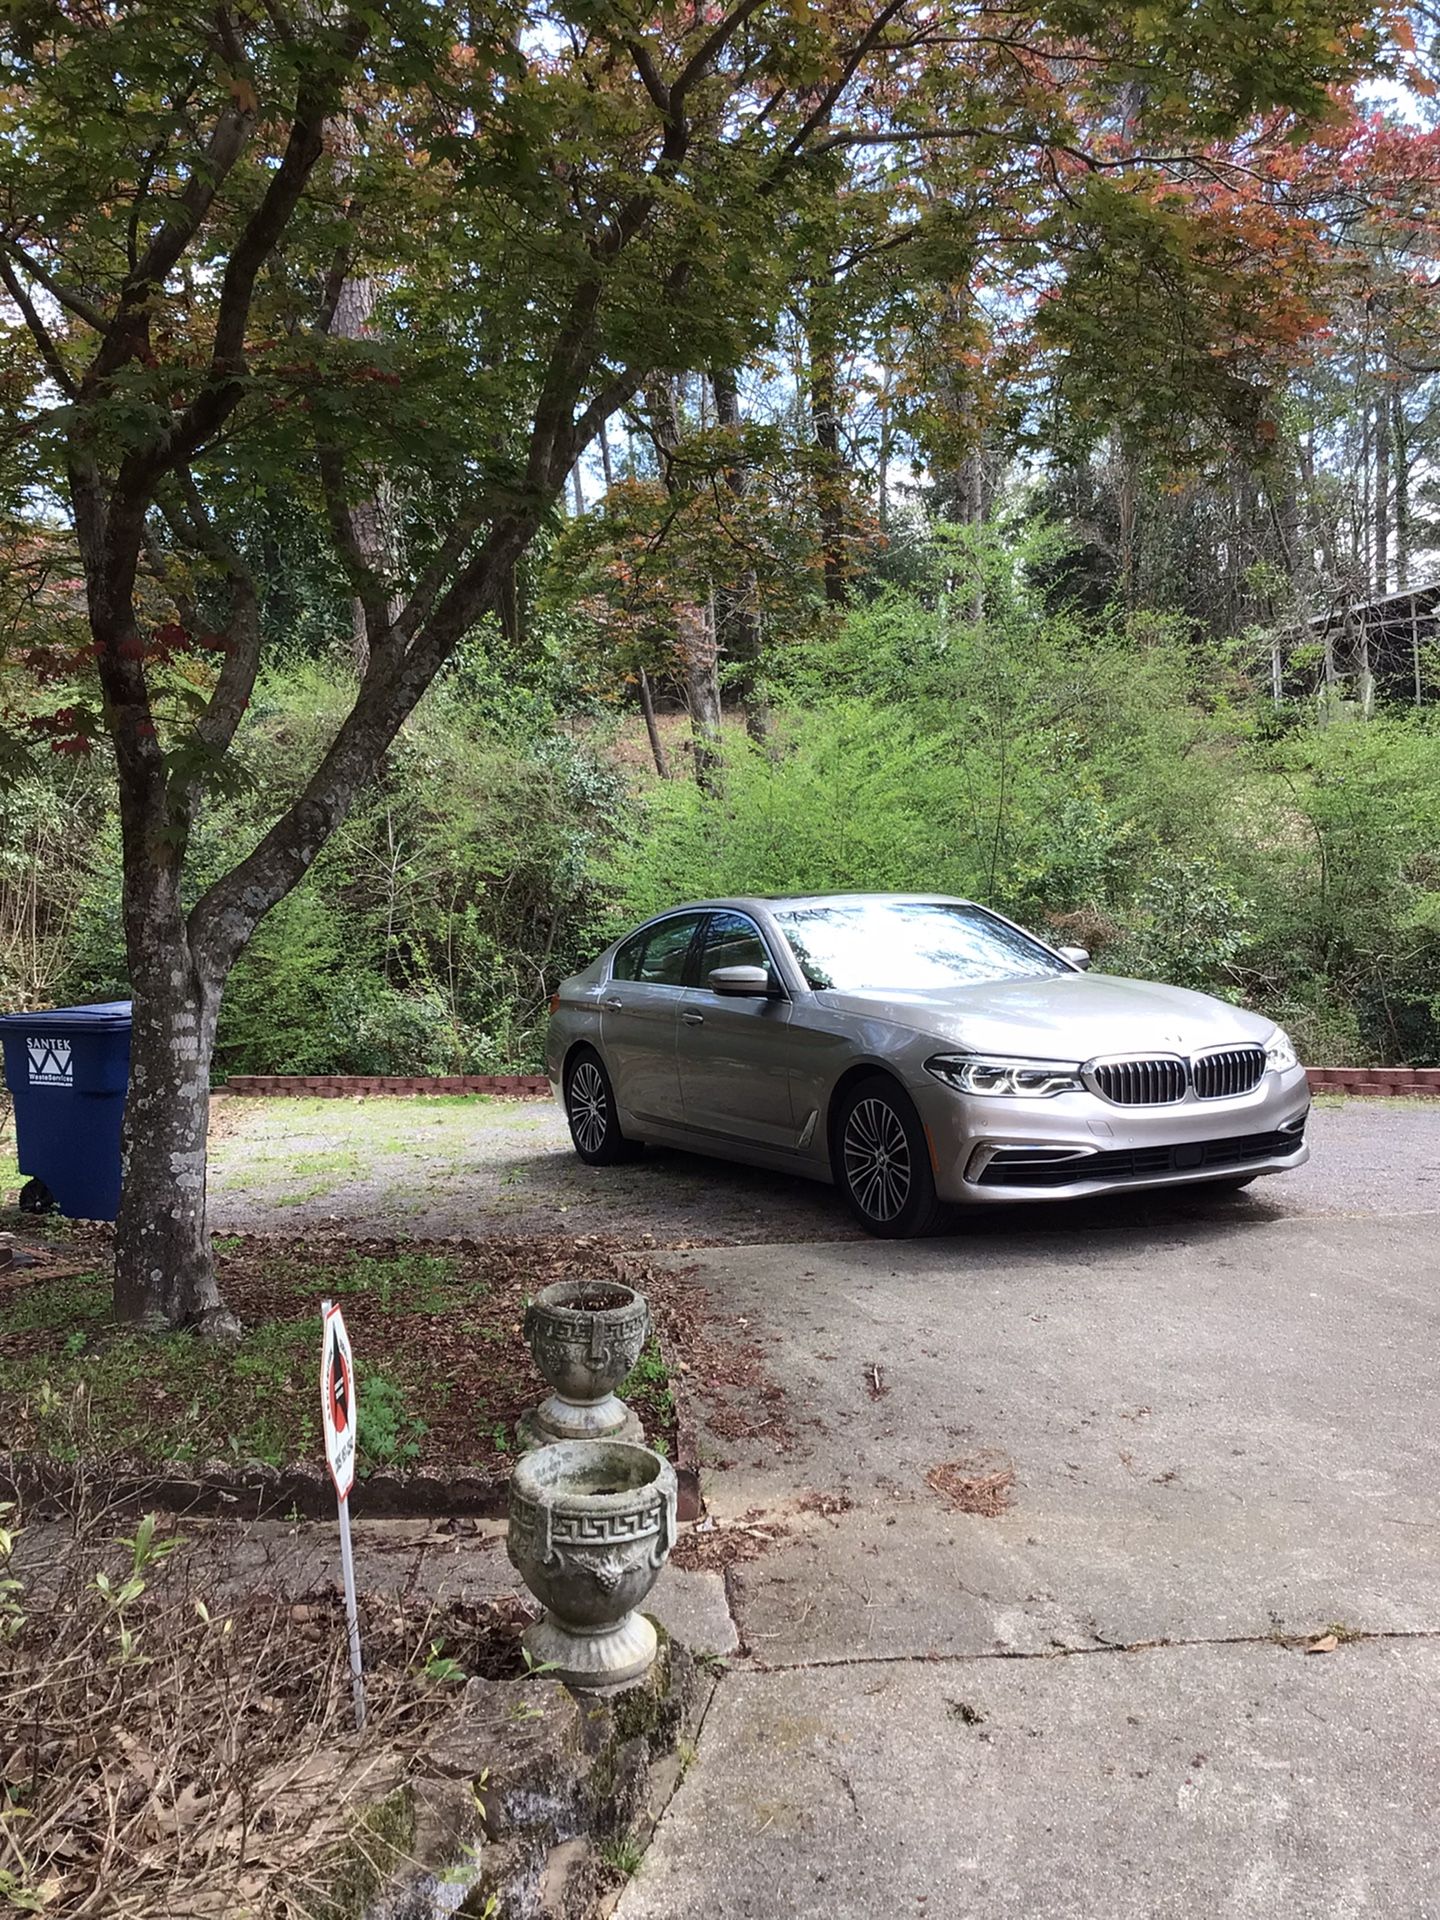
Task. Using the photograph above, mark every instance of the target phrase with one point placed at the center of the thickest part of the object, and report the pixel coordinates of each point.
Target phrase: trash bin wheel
(36, 1197)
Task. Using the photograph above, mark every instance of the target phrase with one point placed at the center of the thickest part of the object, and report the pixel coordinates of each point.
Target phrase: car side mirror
(751, 983)
(1077, 956)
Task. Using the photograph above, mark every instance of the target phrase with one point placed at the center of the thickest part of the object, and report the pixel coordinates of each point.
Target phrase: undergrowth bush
(433, 927)
(1115, 786)
(1111, 783)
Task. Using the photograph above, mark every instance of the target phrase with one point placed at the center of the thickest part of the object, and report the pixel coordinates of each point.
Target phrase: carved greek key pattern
(543, 1532)
(604, 1529)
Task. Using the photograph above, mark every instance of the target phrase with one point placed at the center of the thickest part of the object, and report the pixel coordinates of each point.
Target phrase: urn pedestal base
(598, 1657)
(591, 1525)
(557, 1418)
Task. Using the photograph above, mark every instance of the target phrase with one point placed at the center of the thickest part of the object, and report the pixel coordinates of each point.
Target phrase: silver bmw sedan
(917, 1051)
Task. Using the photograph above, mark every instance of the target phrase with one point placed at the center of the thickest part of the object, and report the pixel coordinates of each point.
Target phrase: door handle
(614, 1004)
(693, 1019)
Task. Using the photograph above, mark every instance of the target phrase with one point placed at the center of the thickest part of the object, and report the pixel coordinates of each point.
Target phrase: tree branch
(49, 353)
(370, 589)
(315, 101)
(723, 31)
(72, 302)
(130, 324)
(225, 915)
(800, 141)
(466, 525)
(236, 680)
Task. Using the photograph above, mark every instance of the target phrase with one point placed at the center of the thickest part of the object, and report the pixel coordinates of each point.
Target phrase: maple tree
(399, 264)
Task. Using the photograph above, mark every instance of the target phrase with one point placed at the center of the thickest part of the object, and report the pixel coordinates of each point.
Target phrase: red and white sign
(337, 1402)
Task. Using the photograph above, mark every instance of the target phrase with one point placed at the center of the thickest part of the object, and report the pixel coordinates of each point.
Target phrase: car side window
(656, 955)
(629, 957)
(732, 940)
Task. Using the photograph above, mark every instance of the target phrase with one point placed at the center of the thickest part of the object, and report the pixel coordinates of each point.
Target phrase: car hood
(1067, 1016)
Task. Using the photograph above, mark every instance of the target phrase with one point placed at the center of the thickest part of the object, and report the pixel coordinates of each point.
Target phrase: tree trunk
(1359, 581)
(824, 354)
(374, 520)
(510, 606)
(702, 688)
(694, 619)
(164, 1272)
(882, 458)
(657, 745)
(1400, 441)
(1381, 505)
(1126, 505)
(738, 623)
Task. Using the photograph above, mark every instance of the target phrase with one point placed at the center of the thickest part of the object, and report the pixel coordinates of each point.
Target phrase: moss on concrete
(380, 1843)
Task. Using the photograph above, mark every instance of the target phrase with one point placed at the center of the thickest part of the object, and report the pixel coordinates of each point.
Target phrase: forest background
(1070, 544)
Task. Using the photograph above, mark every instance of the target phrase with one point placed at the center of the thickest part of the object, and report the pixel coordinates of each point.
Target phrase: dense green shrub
(1106, 782)
(432, 929)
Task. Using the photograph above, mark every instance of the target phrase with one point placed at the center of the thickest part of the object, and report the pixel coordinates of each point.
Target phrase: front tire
(594, 1119)
(882, 1162)
(36, 1197)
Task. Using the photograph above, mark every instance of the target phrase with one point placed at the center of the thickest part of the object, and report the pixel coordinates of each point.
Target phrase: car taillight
(554, 1003)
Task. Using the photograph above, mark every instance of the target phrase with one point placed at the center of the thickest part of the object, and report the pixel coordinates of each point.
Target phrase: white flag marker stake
(338, 1417)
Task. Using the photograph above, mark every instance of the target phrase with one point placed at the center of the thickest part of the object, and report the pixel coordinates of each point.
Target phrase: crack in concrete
(1284, 1643)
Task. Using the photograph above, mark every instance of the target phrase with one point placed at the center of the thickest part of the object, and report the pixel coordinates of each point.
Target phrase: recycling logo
(50, 1064)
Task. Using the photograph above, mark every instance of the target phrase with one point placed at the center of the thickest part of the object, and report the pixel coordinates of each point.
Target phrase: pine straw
(982, 1483)
(181, 1753)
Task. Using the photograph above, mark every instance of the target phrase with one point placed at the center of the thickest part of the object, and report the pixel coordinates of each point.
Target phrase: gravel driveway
(476, 1166)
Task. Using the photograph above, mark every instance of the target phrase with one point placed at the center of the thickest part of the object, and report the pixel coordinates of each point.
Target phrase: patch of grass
(50, 1306)
(389, 1434)
(647, 1388)
(173, 1397)
(299, 1199)
(413, 1282)
(623, 1856)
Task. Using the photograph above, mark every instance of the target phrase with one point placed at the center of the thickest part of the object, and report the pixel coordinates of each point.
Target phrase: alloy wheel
(589, 1108)
(877, 1159)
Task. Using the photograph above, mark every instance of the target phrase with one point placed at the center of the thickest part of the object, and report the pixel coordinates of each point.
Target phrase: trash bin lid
(101, 1016)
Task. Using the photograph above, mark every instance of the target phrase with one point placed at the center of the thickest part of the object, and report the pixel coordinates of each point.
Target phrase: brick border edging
(1423, 1081)
(339, 1086)
(274, 1493)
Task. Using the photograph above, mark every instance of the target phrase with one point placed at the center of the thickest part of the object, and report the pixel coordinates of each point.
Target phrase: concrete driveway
(1222, 1422)
(1225, 1440)
(474, 1166)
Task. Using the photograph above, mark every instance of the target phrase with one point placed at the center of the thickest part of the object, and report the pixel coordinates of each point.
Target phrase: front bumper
(997, 1151)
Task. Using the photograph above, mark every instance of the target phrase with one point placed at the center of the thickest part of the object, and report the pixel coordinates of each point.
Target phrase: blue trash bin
(67, 1072)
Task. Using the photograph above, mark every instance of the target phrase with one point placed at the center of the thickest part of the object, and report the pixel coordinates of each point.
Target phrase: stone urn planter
(592, 1523)
(585, 1336)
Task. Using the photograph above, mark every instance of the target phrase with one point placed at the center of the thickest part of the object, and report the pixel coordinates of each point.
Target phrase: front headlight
(1280, 1054)
(982, 1073)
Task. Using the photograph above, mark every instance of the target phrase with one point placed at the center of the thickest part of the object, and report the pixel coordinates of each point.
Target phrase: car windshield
(905, 945)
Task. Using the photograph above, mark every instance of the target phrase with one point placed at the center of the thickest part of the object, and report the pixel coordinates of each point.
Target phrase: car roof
(747, 903)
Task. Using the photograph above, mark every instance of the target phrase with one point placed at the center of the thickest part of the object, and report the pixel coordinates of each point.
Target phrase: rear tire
(590, 1109)
(881, 1160)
